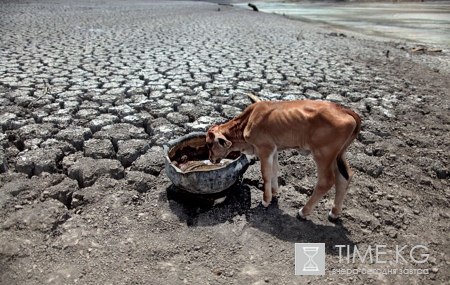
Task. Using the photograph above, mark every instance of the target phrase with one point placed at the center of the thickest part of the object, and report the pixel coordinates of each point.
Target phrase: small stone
(75, 203)
(435, 270)
(393, 233)
(367, 137)
(432, 260)
(441, 173)
(445, 215)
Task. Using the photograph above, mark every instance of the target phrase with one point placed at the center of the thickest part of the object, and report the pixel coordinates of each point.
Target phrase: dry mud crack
(89, 92)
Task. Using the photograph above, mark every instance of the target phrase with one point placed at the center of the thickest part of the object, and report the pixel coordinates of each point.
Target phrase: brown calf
(324, 129)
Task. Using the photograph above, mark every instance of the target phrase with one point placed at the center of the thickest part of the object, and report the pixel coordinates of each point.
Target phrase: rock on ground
(87, 170)
(130, 150)
(44, 216)
(152, 162)
(99, 148)
(34, 162)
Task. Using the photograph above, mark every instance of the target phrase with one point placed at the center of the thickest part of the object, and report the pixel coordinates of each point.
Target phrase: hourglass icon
(310, 265)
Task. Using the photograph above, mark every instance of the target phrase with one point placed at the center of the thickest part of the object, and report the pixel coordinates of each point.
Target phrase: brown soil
(129, 225)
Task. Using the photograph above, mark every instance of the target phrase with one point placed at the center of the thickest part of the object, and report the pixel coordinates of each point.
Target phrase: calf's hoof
(332, 217)
(261, 206)
(300, 215)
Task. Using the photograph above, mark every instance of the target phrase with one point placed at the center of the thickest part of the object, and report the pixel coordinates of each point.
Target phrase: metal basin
(188, 167)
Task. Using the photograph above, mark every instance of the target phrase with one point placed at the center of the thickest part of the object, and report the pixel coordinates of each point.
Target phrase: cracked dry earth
(90, 91)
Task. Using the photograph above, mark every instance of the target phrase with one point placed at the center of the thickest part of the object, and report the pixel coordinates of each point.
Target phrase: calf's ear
(210, 133)
(224, 142)
(212, 127)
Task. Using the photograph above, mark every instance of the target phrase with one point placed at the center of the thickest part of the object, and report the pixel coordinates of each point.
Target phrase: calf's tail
(342, 165)
(253, 98)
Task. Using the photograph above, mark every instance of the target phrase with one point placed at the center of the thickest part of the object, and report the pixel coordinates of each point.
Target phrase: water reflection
(419, 22)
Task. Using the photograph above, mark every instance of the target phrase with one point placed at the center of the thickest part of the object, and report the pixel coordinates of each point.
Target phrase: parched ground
(90, 91)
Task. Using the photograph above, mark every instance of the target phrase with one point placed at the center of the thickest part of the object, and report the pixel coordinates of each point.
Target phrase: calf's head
(218, 145)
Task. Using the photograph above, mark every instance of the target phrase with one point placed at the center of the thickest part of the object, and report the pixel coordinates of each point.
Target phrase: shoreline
(324, 1)
(438, 58)
(376, 18)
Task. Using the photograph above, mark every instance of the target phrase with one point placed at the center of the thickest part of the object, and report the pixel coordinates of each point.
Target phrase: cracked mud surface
(89, 92)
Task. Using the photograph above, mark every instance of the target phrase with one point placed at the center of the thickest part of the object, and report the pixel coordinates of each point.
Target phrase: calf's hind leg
(326, 179)
(342, 183)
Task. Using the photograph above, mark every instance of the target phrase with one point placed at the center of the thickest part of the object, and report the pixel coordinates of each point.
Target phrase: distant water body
(427, 23)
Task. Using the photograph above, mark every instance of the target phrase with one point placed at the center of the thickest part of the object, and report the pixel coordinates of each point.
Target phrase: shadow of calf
(277, 223)
(199, 210)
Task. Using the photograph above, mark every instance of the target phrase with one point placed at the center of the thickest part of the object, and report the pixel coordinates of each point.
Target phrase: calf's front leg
(275, 167)
(268, 163)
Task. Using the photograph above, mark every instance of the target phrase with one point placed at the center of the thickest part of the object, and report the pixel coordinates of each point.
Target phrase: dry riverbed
(89, 92)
